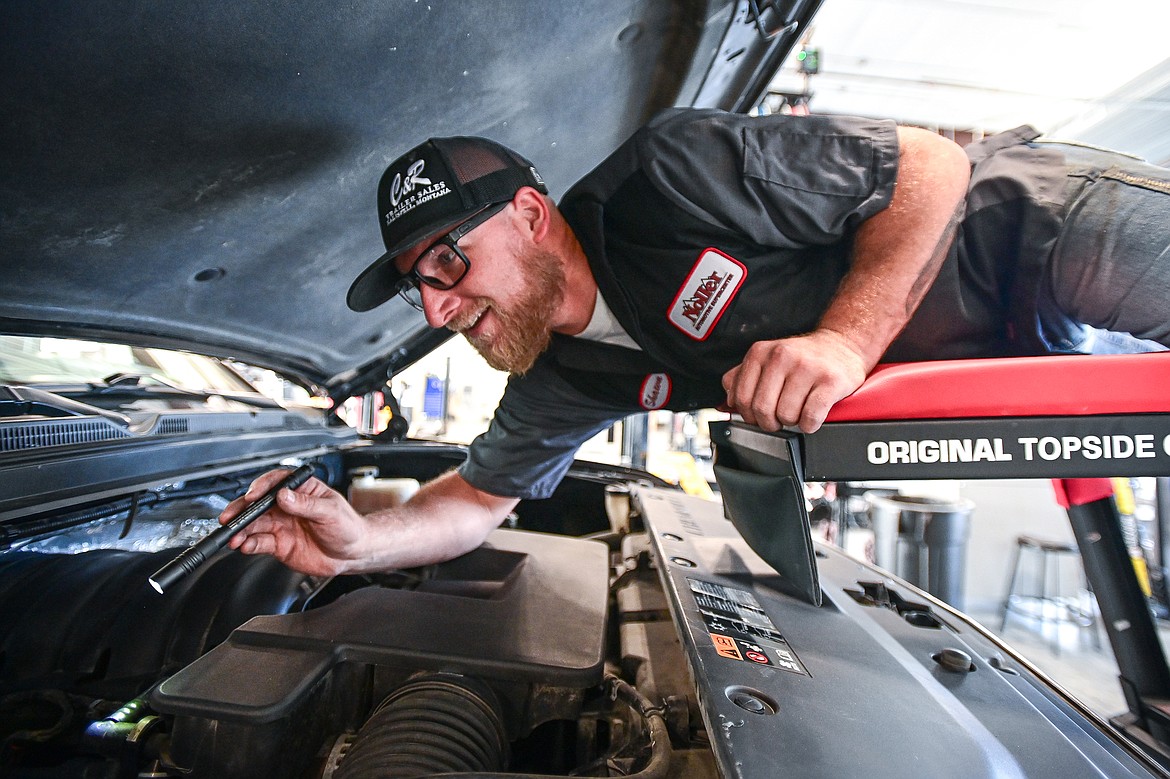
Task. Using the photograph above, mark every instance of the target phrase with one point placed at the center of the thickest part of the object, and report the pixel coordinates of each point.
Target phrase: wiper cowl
(130, 384)
(17, 401)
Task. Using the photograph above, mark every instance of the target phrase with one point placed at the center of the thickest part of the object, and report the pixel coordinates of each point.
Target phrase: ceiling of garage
(979, 64)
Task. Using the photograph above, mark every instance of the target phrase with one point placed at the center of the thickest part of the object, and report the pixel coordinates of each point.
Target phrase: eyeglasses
(443, 264)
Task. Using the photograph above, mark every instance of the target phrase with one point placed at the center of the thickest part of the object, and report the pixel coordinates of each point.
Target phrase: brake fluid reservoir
(368, 493)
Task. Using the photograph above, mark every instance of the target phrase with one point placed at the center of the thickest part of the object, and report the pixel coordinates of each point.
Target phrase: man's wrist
(860, 344)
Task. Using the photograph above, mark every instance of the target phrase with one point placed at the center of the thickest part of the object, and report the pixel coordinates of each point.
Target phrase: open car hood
(204, 176)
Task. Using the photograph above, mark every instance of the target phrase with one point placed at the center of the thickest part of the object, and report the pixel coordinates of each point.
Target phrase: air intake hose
(440, 723)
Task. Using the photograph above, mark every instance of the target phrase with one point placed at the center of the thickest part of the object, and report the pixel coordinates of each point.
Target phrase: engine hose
(129, 735)
(656, 767)
(48, 711)
(439, 723)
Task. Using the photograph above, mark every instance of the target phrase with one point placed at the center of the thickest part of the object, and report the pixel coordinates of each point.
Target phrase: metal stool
(1049, 605)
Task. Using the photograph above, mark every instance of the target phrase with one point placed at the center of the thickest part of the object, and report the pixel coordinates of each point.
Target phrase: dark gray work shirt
(768, 204)
(708, 231)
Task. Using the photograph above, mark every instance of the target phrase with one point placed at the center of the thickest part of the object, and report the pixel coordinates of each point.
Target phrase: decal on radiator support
(740, 629)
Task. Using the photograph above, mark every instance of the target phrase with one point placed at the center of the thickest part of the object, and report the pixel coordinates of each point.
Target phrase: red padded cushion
(1064, 385)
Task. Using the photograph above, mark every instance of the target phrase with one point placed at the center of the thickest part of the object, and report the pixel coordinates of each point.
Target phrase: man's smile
(471, 328)
(468, 322)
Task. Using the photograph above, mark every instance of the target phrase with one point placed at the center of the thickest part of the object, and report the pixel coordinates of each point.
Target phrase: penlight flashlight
(195, 555)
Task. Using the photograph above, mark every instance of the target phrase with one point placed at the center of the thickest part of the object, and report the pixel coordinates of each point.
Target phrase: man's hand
(312, 529)
(794, 381)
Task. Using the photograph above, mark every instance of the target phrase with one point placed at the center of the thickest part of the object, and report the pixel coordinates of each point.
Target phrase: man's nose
(439, 305)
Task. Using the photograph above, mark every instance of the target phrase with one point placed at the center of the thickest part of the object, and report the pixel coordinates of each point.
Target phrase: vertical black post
(1162, 545)
(1124, 608)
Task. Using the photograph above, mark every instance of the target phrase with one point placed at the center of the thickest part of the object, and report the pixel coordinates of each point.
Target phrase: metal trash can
(923, 540)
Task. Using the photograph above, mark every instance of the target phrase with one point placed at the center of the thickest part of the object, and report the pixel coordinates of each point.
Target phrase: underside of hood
(203, 175)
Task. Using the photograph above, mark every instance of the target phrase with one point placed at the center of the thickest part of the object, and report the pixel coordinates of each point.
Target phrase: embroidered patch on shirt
(655, 391)
(706, 293)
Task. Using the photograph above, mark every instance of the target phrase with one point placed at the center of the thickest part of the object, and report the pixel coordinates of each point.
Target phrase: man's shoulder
(705, 124)
(673, 131)
(682, 144)
(678, 125)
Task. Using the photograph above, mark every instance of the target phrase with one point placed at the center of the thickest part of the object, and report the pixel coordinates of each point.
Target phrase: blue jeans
(1107, 287)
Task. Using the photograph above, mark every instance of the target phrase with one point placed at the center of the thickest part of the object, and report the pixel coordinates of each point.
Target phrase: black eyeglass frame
(413, 280)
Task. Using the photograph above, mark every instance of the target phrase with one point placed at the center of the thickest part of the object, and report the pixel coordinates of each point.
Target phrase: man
(764, 265)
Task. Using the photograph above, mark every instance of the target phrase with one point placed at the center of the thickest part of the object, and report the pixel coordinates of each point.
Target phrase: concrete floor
(1070, 656)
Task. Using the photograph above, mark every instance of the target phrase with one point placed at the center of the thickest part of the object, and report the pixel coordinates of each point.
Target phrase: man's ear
(533, 210)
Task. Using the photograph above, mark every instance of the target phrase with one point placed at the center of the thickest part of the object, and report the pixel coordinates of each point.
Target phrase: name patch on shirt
(706, 293)
(655, 391)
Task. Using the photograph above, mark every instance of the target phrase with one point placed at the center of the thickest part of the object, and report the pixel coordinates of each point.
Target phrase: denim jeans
(1107, 287)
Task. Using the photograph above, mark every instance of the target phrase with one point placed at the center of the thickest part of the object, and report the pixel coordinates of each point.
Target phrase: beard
(524, 330)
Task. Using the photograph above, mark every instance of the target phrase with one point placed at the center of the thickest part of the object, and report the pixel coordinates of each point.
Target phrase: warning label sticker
(738, 649)
(740, 629)
(726, 647)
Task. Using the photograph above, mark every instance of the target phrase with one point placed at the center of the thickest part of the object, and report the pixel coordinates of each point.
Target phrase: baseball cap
(431, 189)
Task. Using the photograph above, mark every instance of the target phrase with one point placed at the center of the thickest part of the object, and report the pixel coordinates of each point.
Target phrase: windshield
(26, 360)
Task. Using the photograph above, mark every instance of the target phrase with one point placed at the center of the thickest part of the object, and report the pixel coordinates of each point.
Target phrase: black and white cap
(428, 191)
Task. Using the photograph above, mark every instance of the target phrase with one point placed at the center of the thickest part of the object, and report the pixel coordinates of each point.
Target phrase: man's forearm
(897, 253)
(446, 518)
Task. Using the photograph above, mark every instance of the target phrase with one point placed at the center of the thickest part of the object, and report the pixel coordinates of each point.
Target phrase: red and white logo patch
(655, 391)
(706, 293)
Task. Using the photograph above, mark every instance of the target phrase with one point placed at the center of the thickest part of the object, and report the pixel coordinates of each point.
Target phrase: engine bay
(507, 658)
(618, 628)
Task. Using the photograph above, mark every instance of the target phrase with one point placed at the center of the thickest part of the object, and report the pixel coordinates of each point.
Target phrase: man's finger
(305, 505)
(729, 380)
(259, 543)
(265, 523)
(742, 393)
(813, 417)
(820, 403)
(791, 405)
(771, 389)
(263, 483)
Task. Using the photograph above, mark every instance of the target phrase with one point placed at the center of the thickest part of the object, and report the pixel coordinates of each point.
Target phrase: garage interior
(1061, 72)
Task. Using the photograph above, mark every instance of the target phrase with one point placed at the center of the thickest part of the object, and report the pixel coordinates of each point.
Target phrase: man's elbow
(936, 160)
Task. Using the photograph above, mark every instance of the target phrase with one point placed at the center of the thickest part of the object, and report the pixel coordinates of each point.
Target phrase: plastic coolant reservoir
(368, 493)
